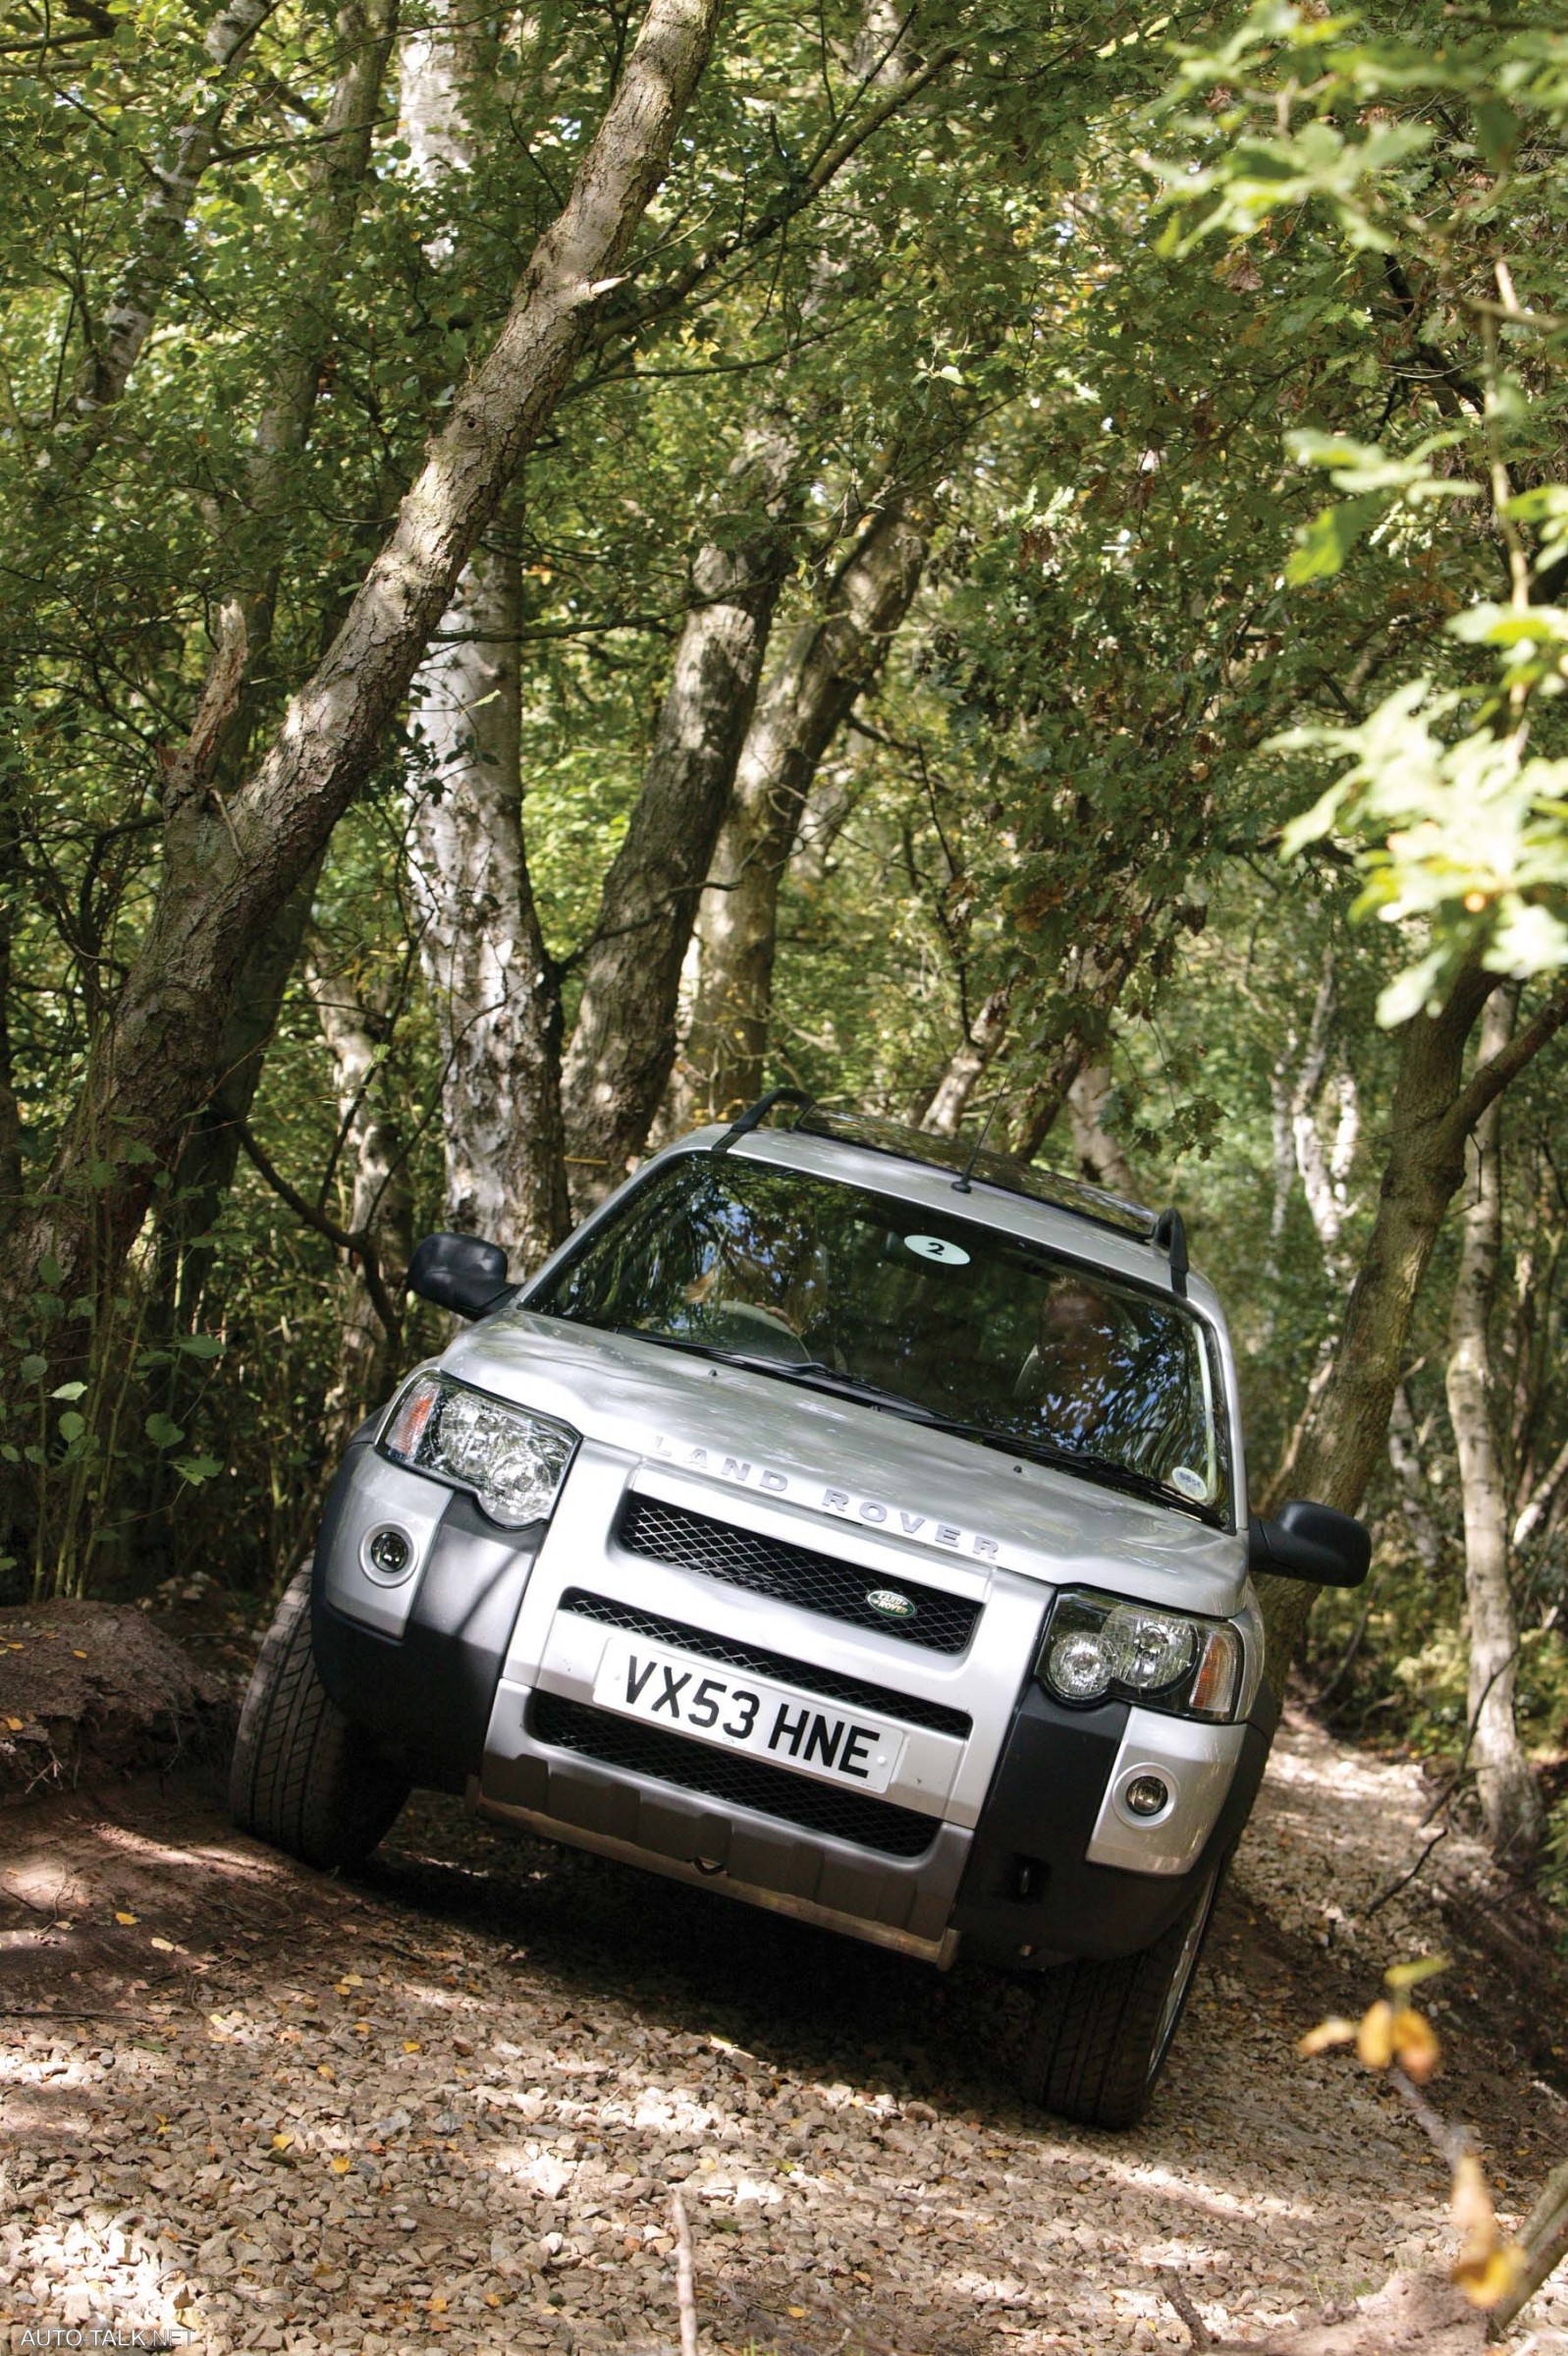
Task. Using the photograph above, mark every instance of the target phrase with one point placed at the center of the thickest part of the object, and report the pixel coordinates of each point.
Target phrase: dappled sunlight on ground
(446, 2103)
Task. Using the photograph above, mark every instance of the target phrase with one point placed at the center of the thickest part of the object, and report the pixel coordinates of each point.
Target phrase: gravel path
(445, 2105)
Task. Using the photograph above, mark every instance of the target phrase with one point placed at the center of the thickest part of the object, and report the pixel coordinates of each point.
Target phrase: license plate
(687, 1695)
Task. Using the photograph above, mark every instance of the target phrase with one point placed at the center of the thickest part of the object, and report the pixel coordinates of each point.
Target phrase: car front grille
(859, 1692)
(615, 1741)
(793, 1574)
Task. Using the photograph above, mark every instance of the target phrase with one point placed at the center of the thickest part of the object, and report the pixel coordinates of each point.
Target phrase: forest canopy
(1003, 567)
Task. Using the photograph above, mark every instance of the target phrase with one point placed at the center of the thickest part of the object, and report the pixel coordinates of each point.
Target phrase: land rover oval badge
(890, 1604)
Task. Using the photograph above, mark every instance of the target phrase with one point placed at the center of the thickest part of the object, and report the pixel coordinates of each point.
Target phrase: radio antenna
(961, 1186)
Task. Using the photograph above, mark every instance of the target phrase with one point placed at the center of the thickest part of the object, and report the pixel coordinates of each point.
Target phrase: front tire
(1102, 2030)
(304, 1778)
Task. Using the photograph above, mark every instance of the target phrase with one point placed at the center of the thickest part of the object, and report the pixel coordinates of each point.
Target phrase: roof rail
(755, 1115)
(1170, 1233)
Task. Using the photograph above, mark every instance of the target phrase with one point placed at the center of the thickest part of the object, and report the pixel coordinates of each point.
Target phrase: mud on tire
(304, 1775)
(1102, 2030)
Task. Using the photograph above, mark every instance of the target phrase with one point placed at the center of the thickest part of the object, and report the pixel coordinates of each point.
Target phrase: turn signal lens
(1217, 1682)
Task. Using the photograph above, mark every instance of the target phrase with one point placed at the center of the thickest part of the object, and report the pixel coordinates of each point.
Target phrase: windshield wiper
(1103, 1470)
(817, 1375)
(813, 1374)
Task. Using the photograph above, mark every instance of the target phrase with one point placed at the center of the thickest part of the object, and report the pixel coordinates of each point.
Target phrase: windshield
(959, 1323)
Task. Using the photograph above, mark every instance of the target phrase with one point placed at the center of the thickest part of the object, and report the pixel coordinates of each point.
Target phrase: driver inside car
(1069, 1376)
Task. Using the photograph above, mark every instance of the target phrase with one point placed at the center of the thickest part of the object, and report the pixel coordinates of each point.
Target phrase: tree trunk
(10, 1109)
(967, 1064)
(1404, 1456)
(492, 985)
(225, 874)
(1092, 978)
(829, 663)
(1510, 1801)
(336, 179)
(381, 1203)
(1434, 1110)
(1100, 1158)
(623, 1041)
(158, 249)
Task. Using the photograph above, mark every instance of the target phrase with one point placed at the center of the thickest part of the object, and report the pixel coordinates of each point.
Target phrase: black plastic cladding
(854, 1816)
(791, 1574)
(859, 1692)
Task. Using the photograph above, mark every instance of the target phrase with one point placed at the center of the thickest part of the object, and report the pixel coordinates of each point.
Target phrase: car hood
(839, 1459)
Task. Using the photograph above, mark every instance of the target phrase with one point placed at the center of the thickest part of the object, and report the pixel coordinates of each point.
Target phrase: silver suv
(842, 1519)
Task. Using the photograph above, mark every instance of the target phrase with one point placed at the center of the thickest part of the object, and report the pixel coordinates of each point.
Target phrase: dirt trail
(444, 2105)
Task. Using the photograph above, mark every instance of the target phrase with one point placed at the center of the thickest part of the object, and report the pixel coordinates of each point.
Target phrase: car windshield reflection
(914, 1308)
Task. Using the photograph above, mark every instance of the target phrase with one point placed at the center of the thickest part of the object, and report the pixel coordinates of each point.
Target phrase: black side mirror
(459, 1272)
(1311, 1542)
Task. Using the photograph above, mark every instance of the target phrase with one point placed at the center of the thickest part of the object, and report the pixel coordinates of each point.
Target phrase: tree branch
(1488, 1080)
(359, 1245)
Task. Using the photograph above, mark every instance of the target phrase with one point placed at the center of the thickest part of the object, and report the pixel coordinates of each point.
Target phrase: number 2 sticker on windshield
(936, 1248)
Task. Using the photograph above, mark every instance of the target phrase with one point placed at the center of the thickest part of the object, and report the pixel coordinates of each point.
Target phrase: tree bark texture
(381, 1203)
(493, 986)
(623, 1040)
(336, 179)
(967, 1065)
(158, 247)
(227, 873)
(334, 185)
(1100, 1158)
(1092, 978)
(494, 989)
(1510, 1801)
(827, 664)
(1432, 1113)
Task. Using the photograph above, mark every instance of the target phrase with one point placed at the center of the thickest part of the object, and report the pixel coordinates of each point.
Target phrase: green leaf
(196, 1469)
(200, 1346)
(72, 1425)
(1330, 537)
(32, 1368)
(69, 1390)
(163, 1431)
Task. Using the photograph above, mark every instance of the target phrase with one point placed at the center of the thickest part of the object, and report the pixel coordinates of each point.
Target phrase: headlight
(513, 1461)
(1099, 1648)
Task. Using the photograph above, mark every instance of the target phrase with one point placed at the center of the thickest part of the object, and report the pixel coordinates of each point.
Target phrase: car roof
(967, 1166)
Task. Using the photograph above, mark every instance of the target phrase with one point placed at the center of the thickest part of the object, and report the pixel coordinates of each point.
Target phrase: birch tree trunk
(967, 1065)
(157, 247)
(1432, 1113)
(623, 1041)
(494, 986)
(827, 664)
(225, 875)
(492, 981)
(1510, 1801)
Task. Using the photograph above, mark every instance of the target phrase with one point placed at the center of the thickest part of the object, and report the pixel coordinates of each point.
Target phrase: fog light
(389, 1552)
(1146, 1796)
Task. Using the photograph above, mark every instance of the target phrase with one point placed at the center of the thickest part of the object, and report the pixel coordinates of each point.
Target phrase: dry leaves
(1390, 2033)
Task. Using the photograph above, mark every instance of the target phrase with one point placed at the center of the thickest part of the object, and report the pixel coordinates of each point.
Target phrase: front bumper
(999, 1828)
